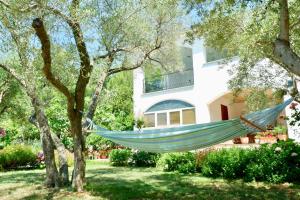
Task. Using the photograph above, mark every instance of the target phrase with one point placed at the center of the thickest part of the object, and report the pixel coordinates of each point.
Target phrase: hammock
(191, 137)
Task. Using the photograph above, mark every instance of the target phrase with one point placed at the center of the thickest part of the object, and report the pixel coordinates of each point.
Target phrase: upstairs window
(214, 55)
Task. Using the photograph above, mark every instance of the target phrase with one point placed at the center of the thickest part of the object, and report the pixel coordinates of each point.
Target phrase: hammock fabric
(191, 137)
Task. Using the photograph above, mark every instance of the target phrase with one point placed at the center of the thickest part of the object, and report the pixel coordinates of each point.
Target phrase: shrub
(144, 159)
(17, 156)
(180, 162)
(201, 156)
(227, 163)
(119, 157)
(275, 163)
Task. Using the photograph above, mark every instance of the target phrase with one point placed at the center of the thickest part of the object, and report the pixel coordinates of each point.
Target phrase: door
(224, 112)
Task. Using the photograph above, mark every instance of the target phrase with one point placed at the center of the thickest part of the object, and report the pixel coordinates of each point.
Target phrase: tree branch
(284, 22)
(282, 49)
(86, 68)
(26, 9)
(14, 74)
(5, 3)
(108, 54)
(3, 109)
(137, 65)
(57, 12)
(39, 28)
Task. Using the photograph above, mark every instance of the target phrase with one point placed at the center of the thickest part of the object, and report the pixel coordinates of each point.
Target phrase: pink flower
(293, 106)
(2, 132)
(40, 156)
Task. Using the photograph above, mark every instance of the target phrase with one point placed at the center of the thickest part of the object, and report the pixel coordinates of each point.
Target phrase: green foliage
(247, 29)
(119, 157)
(227, 163)
(180, 162)
(115, 111)
(275, 163)
(256, 100)
(17, 156)
(280, 129)
(144, 159)
(96, 142)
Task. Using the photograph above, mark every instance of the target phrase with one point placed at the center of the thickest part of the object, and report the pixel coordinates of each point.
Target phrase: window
(175, 118)
(149, 120)
(213, 54)
(169, 113)
(161, 119)
(188, 116)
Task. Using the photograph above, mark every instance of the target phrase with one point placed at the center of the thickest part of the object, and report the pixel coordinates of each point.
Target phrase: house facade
(196, 94)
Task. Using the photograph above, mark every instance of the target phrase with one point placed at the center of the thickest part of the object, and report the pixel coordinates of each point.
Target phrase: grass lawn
(106, 182)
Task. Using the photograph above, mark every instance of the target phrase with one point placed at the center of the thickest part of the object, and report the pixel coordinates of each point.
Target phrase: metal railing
(169, 81)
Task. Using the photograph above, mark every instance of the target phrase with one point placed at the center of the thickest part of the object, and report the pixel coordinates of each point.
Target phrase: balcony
(169, 81)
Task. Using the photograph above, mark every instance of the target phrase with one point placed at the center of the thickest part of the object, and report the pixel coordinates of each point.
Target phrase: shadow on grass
(23, 177)
(176, 186)
(147, 183)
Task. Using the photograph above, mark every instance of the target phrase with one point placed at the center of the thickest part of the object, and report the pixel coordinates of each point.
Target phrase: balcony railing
(169, 81)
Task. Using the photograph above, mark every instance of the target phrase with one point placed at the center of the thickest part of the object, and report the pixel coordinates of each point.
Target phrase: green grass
(106, 182)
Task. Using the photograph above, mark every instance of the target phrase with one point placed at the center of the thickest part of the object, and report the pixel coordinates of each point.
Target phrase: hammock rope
(191, 137)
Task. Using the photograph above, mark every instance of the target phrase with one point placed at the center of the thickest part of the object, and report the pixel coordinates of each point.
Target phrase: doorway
(224, 112)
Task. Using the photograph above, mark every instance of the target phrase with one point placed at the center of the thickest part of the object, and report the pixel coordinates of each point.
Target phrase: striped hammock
(191, 137)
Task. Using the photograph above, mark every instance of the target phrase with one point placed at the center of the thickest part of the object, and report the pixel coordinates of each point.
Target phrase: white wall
(210, 82)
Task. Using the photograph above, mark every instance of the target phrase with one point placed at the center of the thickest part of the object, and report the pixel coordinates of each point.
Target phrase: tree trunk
(282, 46)
(63, 160)
(62, 153)
(52, 177)
(78, 177)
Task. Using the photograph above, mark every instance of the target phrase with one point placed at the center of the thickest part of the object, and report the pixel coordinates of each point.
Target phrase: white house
(197, 94)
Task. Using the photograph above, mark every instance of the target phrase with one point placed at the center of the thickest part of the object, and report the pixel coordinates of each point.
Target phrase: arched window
(170, 113)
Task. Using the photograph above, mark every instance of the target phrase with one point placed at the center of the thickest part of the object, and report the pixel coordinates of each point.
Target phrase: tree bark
(63, 160)
(78, 177)
(61, 151)
(76, 100)
(282, 47)
(52, 176)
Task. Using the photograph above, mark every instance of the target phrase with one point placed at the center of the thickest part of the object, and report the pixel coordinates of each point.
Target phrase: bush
(119, 157)
(227, 163)
(180, 162)
(275, 163)
(201, 156)
(144, 159)
(17, 156)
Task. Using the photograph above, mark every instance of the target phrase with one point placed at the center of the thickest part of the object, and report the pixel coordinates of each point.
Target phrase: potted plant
(281, 132)
(268, 137)
(103, 154)
(140, 123)
(257, 138)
